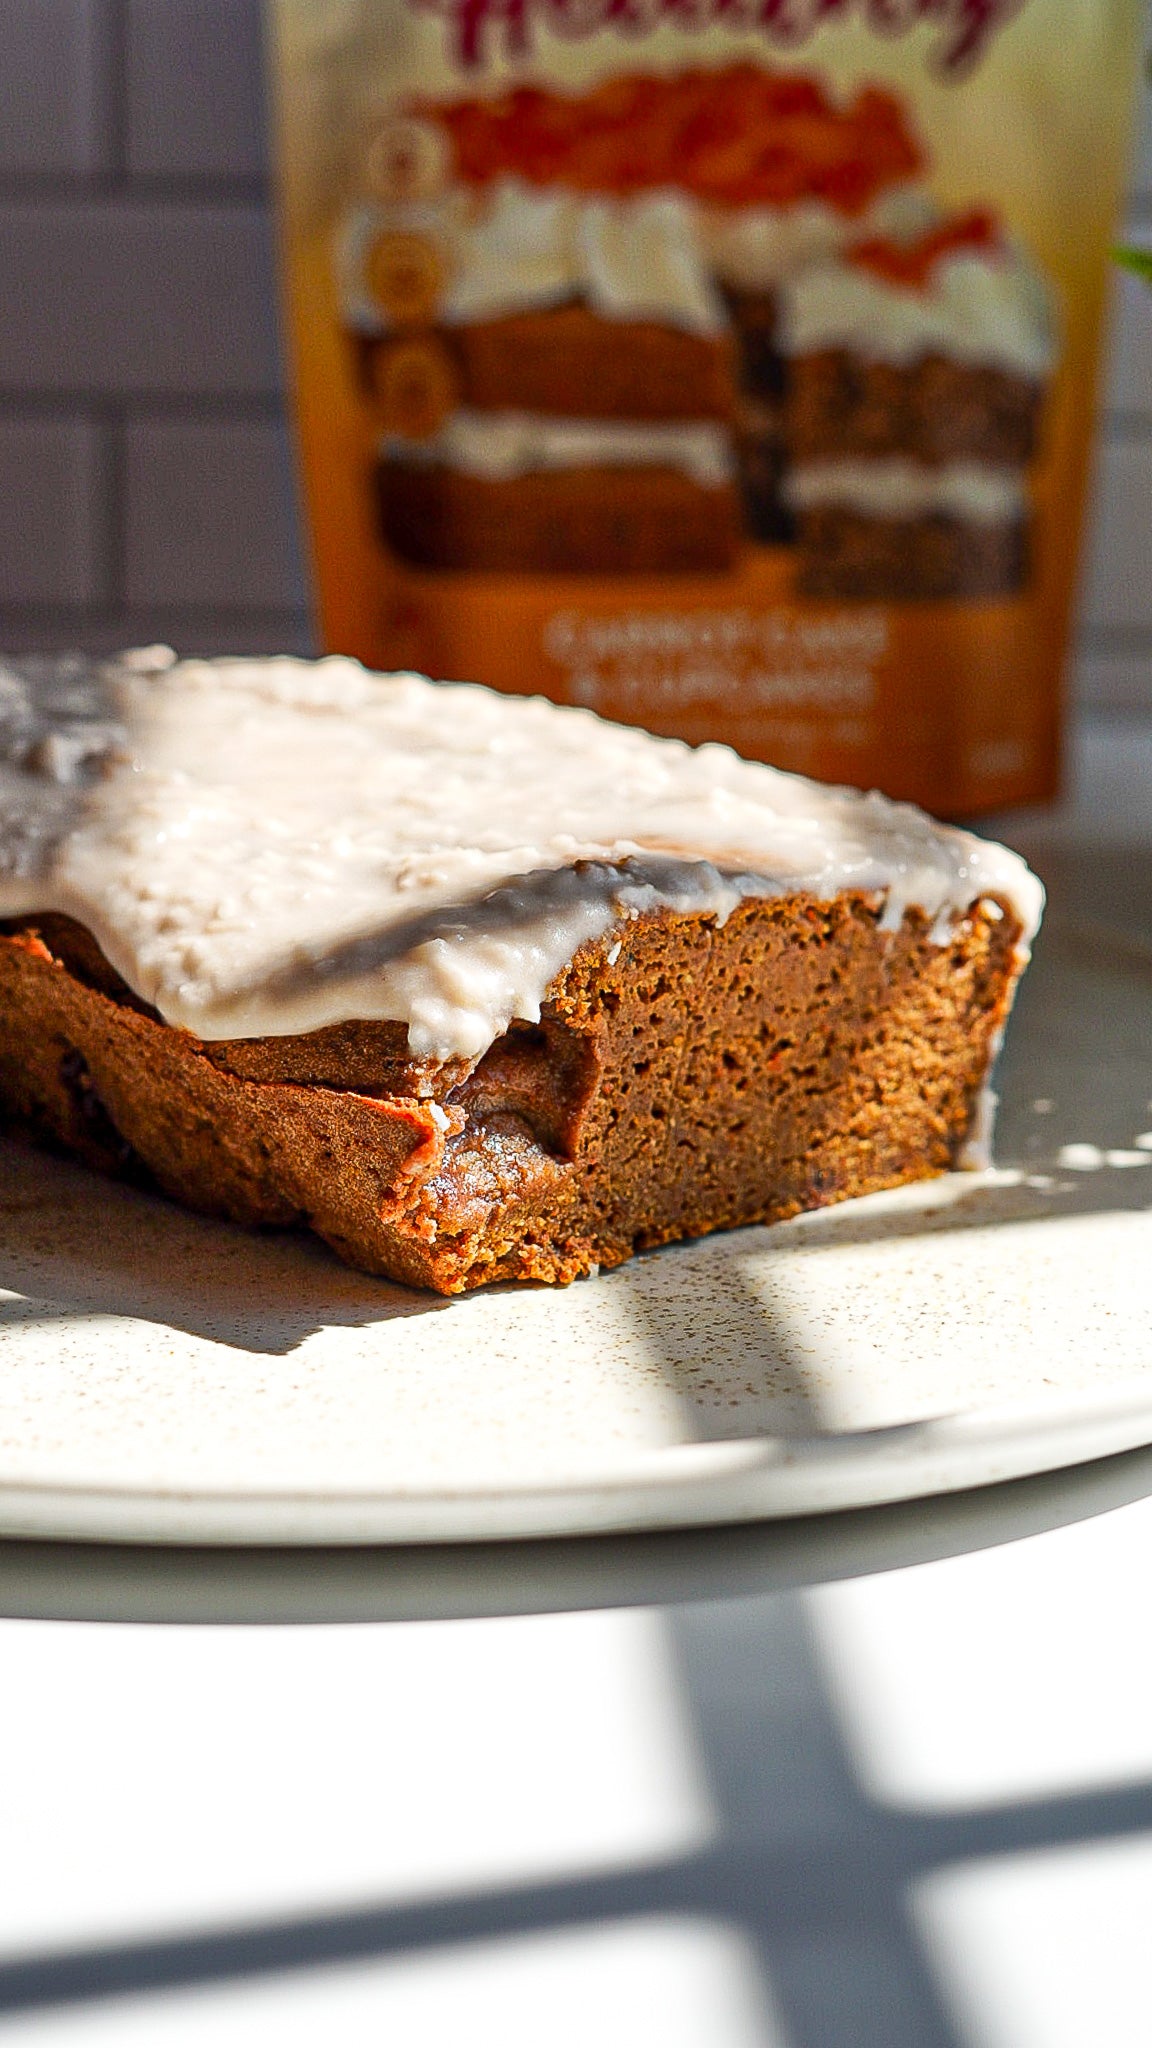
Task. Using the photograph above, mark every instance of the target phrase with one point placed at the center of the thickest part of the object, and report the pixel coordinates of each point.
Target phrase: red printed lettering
(479, 29)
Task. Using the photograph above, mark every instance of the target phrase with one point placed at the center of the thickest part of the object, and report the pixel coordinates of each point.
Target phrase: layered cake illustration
(791, 178)
(628, 330)
(559, 392)
(916, 373)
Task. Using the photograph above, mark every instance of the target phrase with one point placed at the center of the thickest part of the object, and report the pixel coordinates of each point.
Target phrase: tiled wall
(145, 479)
(1115, 668)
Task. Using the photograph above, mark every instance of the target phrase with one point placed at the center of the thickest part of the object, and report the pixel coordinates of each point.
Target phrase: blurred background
(146, 486)
(145, 479)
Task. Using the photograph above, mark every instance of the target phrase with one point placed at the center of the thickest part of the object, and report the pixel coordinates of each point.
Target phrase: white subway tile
(1128, 384)
(210, 517)
(1142, 156)
(191, 630)
(113, 296)
(50, 513)
(195, 88)
(1114, 682)
(52, 100)
(1118, 587)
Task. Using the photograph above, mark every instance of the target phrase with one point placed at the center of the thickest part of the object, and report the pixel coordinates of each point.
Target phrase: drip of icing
(264, 847)
(753, 247)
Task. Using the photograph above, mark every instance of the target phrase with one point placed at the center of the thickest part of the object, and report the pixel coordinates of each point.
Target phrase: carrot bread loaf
(477, 987)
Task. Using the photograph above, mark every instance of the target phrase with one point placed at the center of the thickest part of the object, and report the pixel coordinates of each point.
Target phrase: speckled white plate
(166, 1378)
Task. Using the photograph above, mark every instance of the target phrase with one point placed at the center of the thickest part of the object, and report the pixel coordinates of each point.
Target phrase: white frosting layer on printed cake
(895, 488)
(263, 847)
(501, 446)
(752, 248)
(982, 307)
(755, 248)
(520, 249)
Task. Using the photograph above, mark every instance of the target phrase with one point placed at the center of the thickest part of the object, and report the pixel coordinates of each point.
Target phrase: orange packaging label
(727, 366)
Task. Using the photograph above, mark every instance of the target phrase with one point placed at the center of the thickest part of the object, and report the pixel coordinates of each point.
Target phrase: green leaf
(1139, 261)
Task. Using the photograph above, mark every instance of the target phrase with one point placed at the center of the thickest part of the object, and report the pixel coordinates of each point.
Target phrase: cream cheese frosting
(990, 308)
(500, 446)
(267, 846)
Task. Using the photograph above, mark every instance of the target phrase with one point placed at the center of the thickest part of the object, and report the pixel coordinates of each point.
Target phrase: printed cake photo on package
(478, 988)
(730, 372)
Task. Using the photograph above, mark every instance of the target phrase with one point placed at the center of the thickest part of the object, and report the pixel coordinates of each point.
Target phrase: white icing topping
(902, 214)
(754, 248)
(895, 488)
(515, 254)
(642, 259)
(517, 248)
(978, 307)
(502, 445)
(278, 845)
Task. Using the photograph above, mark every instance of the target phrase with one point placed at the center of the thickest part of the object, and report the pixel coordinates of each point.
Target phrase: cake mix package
(728, 366)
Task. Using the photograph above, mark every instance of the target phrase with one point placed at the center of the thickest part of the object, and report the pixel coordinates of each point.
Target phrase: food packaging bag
(726, 366)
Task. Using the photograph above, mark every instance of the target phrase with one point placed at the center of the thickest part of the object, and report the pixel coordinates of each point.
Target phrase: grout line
(114, 502)
(73, 617)
(1090, 693)
(144, 407)
(200, 189)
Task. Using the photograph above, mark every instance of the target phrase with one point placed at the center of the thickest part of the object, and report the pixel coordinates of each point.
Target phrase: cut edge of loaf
(685, 1077)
